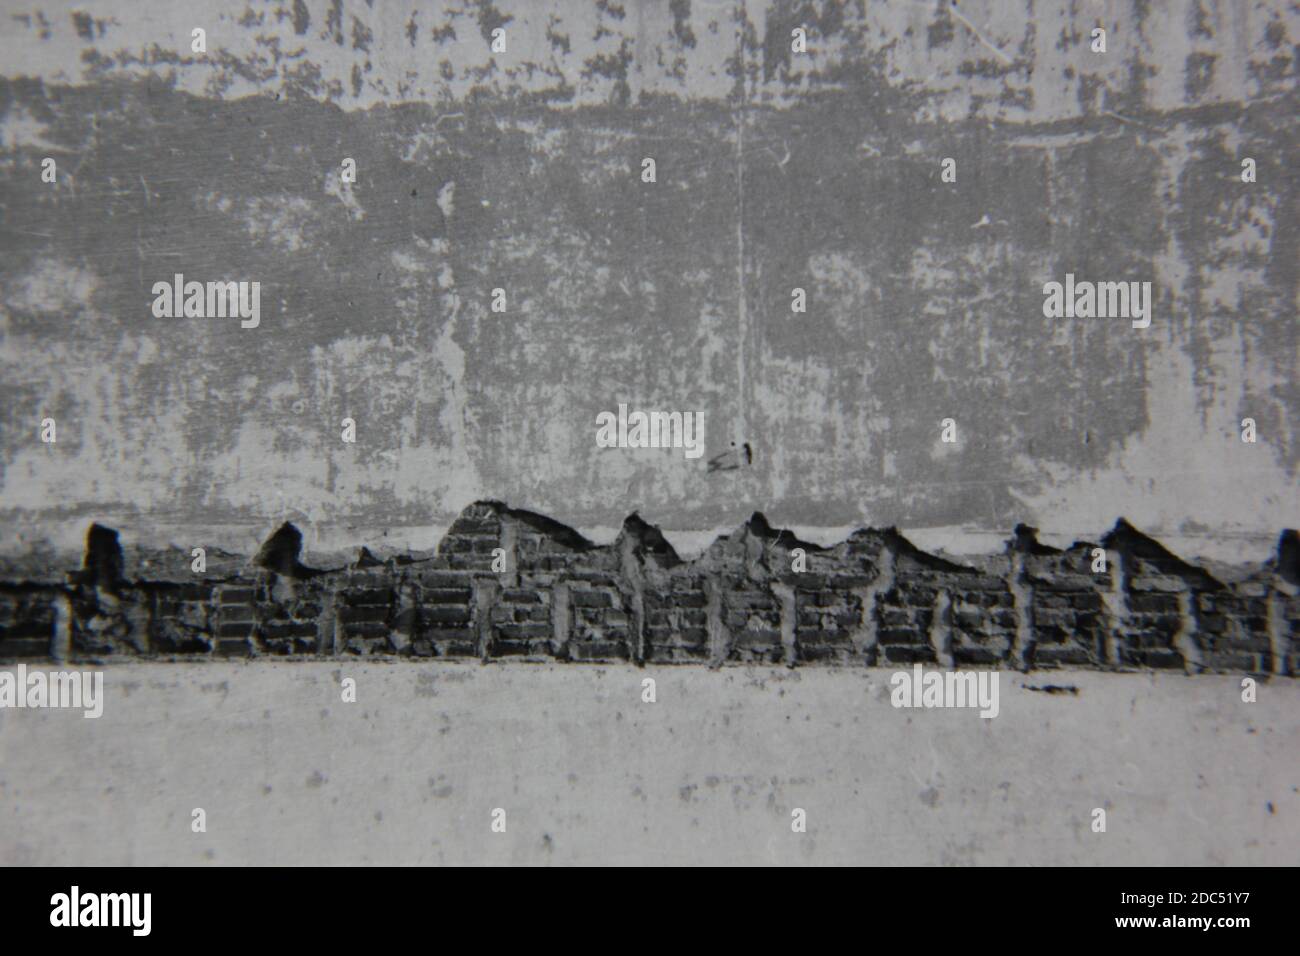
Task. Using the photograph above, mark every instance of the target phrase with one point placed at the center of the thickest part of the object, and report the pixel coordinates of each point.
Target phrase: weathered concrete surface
(587, 773)
(520, 170)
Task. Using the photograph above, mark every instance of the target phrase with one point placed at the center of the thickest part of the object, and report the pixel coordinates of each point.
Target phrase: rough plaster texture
(410, 773)
(520, 170)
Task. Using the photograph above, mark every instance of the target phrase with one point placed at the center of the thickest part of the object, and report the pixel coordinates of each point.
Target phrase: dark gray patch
(681, 11)
(940, 31)
(334, 22)
(84, 24)
(559, 41)
(490, 18)
(362, 37)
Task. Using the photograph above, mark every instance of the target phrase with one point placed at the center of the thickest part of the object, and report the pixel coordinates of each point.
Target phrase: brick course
(874, 599)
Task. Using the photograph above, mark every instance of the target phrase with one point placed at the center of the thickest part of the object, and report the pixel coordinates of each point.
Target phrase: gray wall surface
(288, 774)
(521, 170)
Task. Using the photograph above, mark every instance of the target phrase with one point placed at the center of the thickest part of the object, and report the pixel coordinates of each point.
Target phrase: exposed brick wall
(874, 599)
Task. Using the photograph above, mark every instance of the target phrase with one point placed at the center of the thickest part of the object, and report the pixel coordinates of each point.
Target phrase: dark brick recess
(873, 599)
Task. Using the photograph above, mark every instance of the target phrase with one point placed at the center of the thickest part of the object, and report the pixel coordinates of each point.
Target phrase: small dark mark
(82, 22)
(1270, 807)
(412, 192)
(1054, 689)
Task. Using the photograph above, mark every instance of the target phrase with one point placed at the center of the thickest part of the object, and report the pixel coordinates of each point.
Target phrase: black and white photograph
(650, 433)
